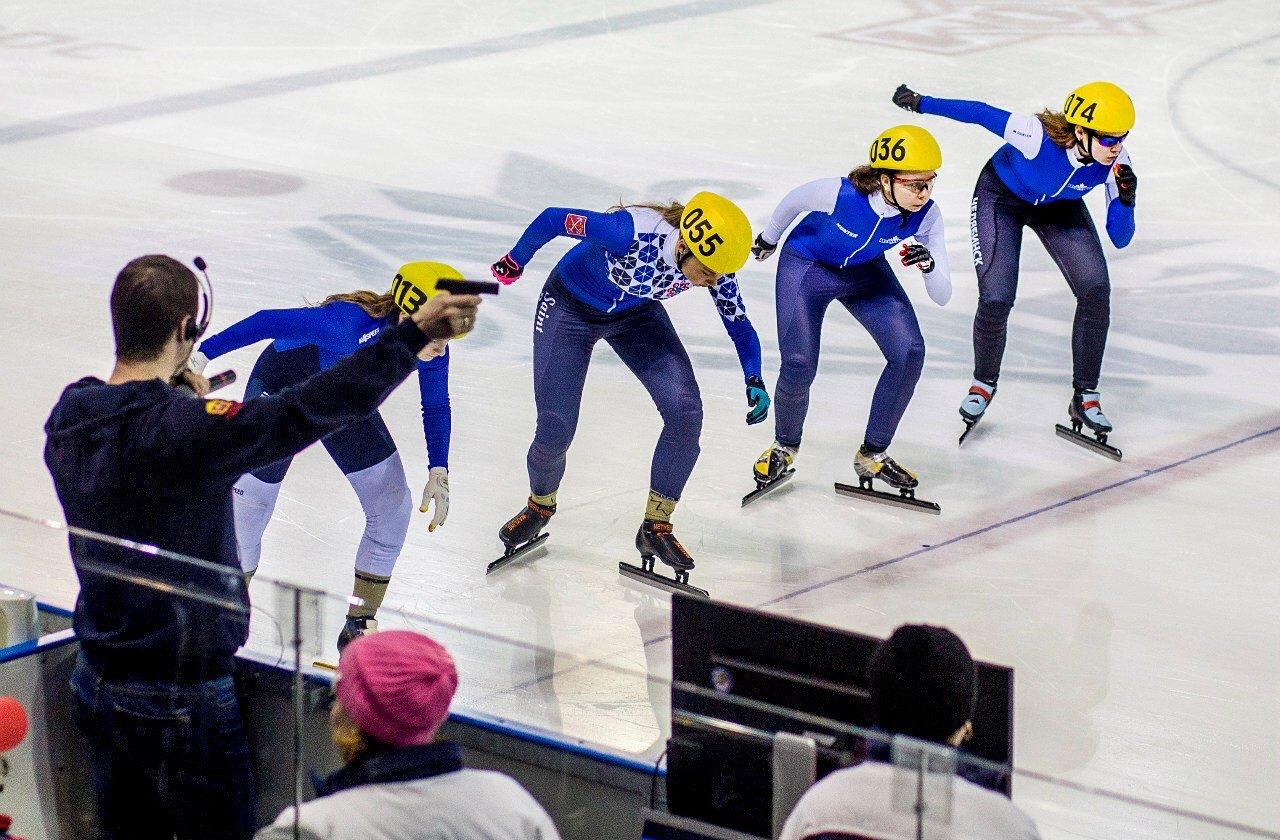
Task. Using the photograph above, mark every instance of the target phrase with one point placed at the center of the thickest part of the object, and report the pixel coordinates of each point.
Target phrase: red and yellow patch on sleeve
(223, 408)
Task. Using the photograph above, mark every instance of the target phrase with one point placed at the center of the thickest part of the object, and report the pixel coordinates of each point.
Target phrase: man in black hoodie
(133, 457)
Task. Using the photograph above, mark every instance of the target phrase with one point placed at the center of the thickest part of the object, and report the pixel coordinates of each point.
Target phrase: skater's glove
(437, 490)
(197, 362)
(762, 250)
(917, 255)
(905, 97)
(1126, 184)
(758, 399)
(506, 270)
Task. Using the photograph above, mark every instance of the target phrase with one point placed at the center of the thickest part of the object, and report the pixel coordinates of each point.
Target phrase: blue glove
(758, 399)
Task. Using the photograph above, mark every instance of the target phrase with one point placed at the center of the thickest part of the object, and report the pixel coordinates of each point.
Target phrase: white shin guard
(255, 500)
(384, 494)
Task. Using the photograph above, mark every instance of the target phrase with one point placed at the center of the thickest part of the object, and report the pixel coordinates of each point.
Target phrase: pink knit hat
(396, 686)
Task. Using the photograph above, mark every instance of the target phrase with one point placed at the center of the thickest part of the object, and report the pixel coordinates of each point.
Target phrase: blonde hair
(671, 212)
(376, 304)
(1061, 132)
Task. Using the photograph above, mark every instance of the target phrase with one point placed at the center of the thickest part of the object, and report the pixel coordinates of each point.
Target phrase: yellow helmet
(415, 284)
(1100, 106)
(717, 232)
(908, 148)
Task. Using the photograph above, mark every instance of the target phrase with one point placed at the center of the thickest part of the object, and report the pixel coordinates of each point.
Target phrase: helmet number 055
(1073, 105)
(697, 227)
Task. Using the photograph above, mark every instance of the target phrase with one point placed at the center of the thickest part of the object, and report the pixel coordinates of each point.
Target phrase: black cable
(653, 783)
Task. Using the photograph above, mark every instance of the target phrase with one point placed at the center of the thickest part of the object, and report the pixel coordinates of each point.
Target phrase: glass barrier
(616, 701)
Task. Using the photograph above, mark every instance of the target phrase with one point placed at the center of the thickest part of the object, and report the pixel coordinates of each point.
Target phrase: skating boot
(1085, 411)
(523, 533)
(354, 629)
(655, 541)
(975, 405)
(872, 465)
(773, 469)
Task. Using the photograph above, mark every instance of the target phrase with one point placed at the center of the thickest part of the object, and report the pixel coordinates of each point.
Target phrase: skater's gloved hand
(762, 250)
(758, 399)
(437, 490)
(1126, 184)
(917, 255)
(905, 97)
(506, 270)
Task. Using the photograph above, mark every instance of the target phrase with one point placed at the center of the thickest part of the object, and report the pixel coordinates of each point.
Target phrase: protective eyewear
(1106, 141)
(917, 187)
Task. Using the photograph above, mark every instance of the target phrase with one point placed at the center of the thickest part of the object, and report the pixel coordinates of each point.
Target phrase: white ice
(307, 148)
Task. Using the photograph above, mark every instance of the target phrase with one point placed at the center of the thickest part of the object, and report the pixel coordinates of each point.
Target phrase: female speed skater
(1038, 179)
(608, 287)
(314, 338)
(837, 253)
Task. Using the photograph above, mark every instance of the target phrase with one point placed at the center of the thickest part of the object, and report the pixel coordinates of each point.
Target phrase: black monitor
(724, 657)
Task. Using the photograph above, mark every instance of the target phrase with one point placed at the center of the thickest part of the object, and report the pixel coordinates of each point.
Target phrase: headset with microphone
(196, 328)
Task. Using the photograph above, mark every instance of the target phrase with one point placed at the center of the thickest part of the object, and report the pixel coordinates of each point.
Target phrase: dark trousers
(1066, 229)
(564, 333)
(168, 758)
(354, 447)
(876, 299)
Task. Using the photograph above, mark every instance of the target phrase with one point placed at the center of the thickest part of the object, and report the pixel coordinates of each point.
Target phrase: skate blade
(761, 492)
(894, 499)
(1090, 443)
(517, 554)
(636, 573)
(326, 666)
(968, 427)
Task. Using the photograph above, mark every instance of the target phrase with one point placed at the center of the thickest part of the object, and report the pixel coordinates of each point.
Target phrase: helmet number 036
(697, 227)
(882, 150)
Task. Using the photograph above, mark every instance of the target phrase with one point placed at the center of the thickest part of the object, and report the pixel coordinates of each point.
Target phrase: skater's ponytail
(671, 212)
(377, 305)
(867, 179)
(1061, 132)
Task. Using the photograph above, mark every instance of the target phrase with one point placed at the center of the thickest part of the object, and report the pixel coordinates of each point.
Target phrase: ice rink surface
(309, 148)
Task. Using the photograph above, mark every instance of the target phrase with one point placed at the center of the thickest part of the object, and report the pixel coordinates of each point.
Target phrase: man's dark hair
(923, 683)
(151, 296)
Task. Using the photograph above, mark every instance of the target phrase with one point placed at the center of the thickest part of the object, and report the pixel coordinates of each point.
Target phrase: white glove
(437, 489)
(197, 362)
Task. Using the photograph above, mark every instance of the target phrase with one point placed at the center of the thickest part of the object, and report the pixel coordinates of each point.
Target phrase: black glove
(917, 254)
(762, 250)
(1126, 184)
(506, 270)
(905, 97)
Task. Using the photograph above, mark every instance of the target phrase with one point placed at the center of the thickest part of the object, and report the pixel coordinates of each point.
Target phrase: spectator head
(154, 297)
(394, 689)
(923, 684)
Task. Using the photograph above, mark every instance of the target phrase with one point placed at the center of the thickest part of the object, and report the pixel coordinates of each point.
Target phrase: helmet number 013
(696, 227)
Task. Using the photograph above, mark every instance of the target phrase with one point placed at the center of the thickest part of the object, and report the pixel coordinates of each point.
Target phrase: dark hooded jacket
(145, 462)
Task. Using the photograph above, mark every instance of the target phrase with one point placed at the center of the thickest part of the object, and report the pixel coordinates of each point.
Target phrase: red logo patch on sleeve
(575, 225)
(222, 408)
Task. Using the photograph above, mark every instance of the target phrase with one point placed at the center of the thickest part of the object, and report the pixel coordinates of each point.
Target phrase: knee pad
(553, 434)
(683, 416)
(798, 370)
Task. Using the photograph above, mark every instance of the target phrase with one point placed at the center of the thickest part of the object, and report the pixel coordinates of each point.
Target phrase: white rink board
(304, 149)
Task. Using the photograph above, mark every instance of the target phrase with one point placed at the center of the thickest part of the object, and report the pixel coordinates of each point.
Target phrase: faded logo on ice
(953, 27)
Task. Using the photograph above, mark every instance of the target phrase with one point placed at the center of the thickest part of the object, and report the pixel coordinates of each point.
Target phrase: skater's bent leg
(388, 505)
(255, 496)
(1072, 240)
(804, 291)
(562, 343)
(995, 225)
(886, 312)
(650, 347)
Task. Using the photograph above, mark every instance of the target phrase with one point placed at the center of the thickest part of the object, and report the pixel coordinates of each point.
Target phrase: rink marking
(1022, 517)
(310, 79)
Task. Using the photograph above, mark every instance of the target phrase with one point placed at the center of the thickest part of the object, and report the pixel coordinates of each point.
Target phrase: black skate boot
(354, 629)
(523, 533)
(975, 405)
(1085, 411)
(655, 541)
(872, 465)
(772, 470)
